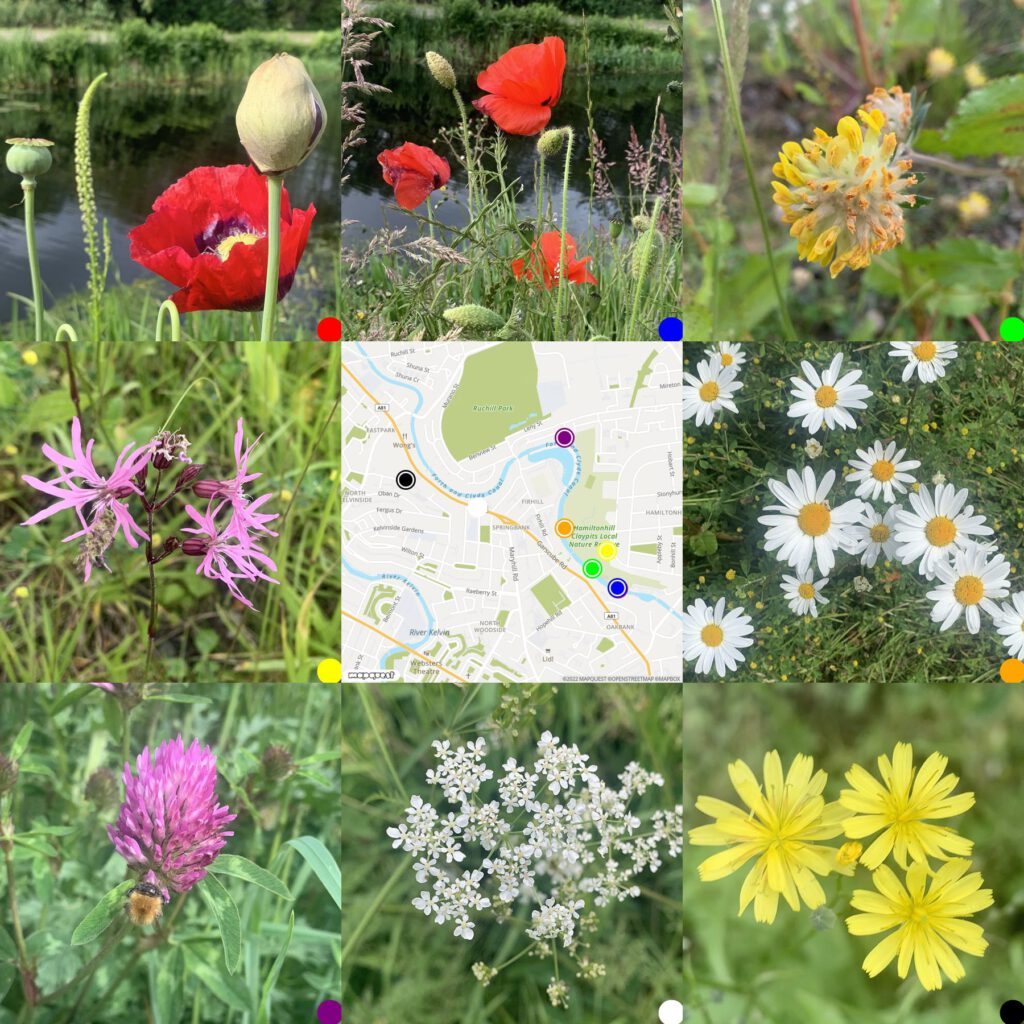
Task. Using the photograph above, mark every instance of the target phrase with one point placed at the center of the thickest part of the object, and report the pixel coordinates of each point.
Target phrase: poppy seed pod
(29, 158)
(281, 117)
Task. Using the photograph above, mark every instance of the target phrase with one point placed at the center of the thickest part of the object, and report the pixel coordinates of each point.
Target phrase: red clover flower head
(171, 827)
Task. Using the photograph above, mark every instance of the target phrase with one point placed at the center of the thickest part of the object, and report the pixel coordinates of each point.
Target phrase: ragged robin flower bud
(8, 774)
(29, 158)
(194, 546)
(844, 193)
(442, 71)
(281, 117)
(206, 488)
(277, 764)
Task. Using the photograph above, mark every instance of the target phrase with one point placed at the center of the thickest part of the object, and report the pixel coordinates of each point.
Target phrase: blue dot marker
(618, 587)
(671, 329)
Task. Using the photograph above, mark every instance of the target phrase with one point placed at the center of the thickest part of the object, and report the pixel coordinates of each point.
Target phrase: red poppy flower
(415, 171)
(207, 235)
(545, 263)
(525, 84)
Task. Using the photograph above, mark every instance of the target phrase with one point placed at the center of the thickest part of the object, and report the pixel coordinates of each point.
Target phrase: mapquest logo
(370, 675)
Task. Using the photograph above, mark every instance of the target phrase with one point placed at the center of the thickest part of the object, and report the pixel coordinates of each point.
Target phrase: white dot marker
(477, 507)
(671, 1012)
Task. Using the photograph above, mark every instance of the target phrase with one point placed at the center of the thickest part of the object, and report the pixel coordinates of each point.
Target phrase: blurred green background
(398, 965)
(69, 788)
(63, 630)
(740, 971)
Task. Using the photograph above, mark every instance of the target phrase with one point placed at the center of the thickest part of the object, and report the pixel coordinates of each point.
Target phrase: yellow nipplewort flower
(900, 805)
(974, 76)
(973, 206)
(940, 62)
(928, 921)
(844, 193)
(781, 826)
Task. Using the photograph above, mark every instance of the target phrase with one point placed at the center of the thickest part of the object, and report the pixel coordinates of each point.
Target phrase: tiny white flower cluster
(556, 838)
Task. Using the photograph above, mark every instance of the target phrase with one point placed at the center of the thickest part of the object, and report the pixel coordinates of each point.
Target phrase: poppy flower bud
(550, 143)
(206, 488)
(443, 72)
(29, 158)
(474, 318)
(281, 117)
(8, 774)
(194, 546)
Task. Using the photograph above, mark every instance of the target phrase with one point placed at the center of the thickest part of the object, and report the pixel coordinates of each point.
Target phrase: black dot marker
(406, 479)
(1012, 1012)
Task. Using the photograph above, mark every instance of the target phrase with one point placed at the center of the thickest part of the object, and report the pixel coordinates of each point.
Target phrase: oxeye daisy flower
(882, 472)
(826, 399)
(171, 827)
(728, 352)
(873, 534)
(1010, 624)
(929, 921)
(712, 389)
(844, 193)
(927, 358)
(936, 527)
(900, 806)
(782, 827)
(804, 593)
(806, 526)
(713, 638)
(973, 581)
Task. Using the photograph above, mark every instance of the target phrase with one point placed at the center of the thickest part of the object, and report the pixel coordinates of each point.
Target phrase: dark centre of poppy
(437, 181)
(215, 233)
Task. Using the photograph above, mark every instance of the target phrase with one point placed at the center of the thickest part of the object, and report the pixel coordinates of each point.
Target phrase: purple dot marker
(564, 437)
(329, 1012)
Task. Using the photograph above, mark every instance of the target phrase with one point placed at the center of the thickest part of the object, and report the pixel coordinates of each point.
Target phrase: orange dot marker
(564, 527)
(1012, 671)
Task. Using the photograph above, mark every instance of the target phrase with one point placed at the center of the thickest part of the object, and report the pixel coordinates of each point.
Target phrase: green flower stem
(25, 968)
(65, 333)
(371, 912)
(470, 167)
(734, 106)
(72, 380)
(168, 307)
(643, 260)
(275, 183)
(562, 267)
(29, 188)
(540, 195)
(114, 936)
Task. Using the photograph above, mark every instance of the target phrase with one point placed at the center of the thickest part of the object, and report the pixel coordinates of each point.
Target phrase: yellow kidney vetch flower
(844, 193)
(782, 826)
(900, 806)
(928, 920)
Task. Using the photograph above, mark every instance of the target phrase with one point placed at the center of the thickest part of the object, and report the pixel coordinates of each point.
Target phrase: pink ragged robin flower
(171, 827)
(78, 485)
(227, 550)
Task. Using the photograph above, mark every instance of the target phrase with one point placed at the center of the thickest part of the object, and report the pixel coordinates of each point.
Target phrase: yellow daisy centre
(709, 391)
(814, 519)
(826, 396)
(727, 359)
(225, 246)
(806, 591)
(883, 470)
(925, 351)
(940, 531)
(712, 635)
(968, 590)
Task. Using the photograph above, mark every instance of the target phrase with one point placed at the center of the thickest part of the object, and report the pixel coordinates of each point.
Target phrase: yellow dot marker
(1012, 671)
(607, 550)
(564, 527)
(329, 671)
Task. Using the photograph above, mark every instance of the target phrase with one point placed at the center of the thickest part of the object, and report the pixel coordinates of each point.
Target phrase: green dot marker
(1012, 329)
(592, 568)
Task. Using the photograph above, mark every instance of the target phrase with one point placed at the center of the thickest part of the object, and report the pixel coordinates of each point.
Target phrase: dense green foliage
(962, 427)
(395, 961)
(737, 969)
(279, 920)
(66, 630)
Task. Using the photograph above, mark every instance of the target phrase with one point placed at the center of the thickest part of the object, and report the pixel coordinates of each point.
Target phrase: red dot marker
(329, 329)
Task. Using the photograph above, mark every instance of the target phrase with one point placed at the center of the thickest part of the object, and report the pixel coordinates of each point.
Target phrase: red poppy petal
(517, 268)
(531, 73)
(411, 189)
(551, 247)
(514, 118)
(579, 273)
